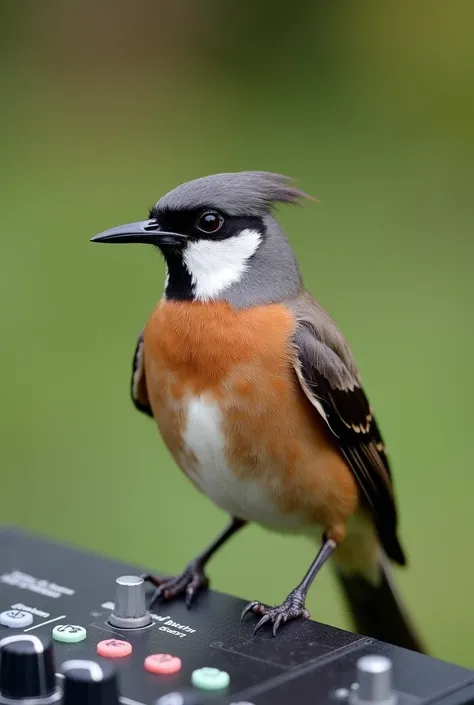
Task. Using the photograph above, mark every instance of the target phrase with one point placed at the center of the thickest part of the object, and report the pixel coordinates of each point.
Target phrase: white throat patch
(216, 264)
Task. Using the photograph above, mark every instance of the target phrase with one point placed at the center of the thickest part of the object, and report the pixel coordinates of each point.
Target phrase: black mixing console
(75, 629)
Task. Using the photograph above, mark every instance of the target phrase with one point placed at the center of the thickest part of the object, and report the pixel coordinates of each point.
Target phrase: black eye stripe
(186, 222)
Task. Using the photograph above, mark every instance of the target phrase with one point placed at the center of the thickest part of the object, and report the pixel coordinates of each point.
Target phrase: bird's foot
(292, 608)
(188, 583)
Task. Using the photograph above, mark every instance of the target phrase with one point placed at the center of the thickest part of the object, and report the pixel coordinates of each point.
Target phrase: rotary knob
(183, 697)
(27, 670)
(87, 682)
(374, 682)
(130, 610)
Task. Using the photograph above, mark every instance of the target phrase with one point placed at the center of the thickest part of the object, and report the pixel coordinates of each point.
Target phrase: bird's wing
(328, 376)
(138, 388)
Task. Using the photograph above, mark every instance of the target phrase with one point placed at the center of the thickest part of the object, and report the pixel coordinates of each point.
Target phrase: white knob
(373, 682)
(130, 610)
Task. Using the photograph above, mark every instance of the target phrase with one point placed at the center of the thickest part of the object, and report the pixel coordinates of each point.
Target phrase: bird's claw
(153, 579)
(292, 608)
(254, 606)
(191, 580)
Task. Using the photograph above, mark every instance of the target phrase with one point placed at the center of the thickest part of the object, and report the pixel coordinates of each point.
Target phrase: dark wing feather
(138, 383)
(328, 376)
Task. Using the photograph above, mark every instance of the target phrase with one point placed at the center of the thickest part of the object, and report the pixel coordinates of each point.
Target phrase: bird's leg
(193, 578)
(294, 605)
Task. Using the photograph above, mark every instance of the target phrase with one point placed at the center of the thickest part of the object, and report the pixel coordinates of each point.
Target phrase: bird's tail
(377, 610)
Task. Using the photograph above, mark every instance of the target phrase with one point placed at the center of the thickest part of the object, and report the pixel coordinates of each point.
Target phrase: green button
(210, 678)
(69, 633)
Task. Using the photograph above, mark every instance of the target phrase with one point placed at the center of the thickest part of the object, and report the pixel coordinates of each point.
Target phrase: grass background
(106, 106)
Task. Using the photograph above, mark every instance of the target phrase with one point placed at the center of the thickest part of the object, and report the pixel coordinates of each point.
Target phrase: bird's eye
(210, 222)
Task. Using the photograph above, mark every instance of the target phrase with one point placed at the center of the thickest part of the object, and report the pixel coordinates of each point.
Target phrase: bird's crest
(239, 193)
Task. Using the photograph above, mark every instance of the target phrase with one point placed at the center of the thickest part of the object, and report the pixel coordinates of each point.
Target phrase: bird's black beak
(145, 231)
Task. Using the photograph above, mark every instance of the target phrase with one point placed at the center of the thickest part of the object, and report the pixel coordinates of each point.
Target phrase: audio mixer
(75, 629)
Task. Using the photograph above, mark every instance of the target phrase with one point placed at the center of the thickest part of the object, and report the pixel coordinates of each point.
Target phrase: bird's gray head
(220, 240)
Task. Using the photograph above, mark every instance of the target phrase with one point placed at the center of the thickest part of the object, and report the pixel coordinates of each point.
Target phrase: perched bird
(258, 399)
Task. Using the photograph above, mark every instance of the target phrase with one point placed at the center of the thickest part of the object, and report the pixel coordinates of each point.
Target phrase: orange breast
(241, 362)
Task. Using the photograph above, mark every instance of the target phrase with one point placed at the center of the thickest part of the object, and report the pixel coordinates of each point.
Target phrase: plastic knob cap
(130, 610)
(91, 683)
(374, 682)
(27, 669)
(182, 697)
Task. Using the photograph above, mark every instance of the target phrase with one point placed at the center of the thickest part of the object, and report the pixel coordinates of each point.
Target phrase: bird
(257, 397)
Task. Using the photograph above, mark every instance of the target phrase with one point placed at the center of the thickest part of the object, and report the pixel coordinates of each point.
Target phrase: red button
(162, 663)
(114, 648)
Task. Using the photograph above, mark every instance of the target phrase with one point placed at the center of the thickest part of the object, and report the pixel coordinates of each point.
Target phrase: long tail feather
(377, 610)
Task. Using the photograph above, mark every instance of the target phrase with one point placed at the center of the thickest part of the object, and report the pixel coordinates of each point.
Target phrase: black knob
(91, 683)
(27, 669)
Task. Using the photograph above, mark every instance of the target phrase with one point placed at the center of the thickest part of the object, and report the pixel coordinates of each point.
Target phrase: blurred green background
(107, 105)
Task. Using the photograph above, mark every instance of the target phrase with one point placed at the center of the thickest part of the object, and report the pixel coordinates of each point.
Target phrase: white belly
(246, 499)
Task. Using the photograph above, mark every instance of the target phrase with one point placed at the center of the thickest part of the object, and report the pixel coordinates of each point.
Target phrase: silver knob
(130, 610)
(374, 682)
